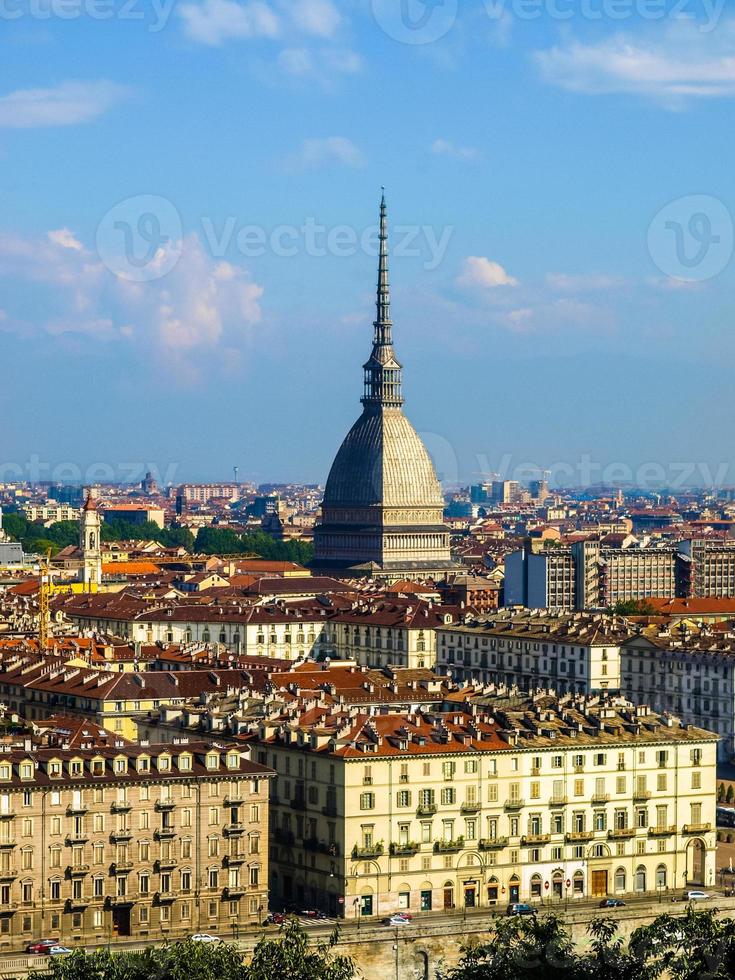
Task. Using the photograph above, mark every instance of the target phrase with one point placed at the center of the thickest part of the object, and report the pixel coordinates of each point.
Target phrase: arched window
(578, 883)
(640, 879)
(661, 876)
(620, 880)
(536, 885)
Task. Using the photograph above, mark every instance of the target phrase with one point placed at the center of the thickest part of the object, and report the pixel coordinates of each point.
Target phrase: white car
(204, 937)
(696, 896)
(58, 950)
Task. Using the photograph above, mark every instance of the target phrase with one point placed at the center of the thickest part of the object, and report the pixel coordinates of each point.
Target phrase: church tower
(382, 513)
(89, 544)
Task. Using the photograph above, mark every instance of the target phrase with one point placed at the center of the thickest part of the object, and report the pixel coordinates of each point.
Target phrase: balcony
(514, 804)
(367, 852)
(76, 839)
(76, 904)
(404, 850)
(600, 798)
(492, 843)
(6, 843)
(234, 860)
(330, 810)
(163, 898)
(121, 806)
(449, 846)
(426, 809)
(234, 891)
(321, 846)
(621, 833)
(298, 803)
(641, 795)
(8, 874)
(233, 829)
(284, 837)
(558, 801)
(164, 806)
(76, 811)
(121, 867)
(165, 864)
(7, 816)
(532, 840)
(578, 836)
(662, 831)
(77, 870)
(696, 828)
(234, 801)
(121, 836)
(470, 807)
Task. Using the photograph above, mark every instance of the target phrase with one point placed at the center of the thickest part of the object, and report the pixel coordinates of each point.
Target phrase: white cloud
(446, 148)
(65, 239)
(562, 282)
(682, 63)
(202, 306)
(322, 63)
(316, 17)
(64, 105)
(213, 22)
(324, 152)
(480, 271)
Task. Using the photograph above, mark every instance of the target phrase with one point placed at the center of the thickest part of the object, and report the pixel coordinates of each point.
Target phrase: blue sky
(188, 196)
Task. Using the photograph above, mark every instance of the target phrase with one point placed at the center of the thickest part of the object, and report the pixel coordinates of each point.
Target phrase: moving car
(41, 946)
(612, 903)
(57, 950)
(396, 920)
(520, 908)
(695, 896)
(204, 937)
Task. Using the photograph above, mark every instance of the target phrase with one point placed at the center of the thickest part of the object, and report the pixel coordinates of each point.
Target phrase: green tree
(293, 956)
(633, 607)
(730, 794)
(695, 946)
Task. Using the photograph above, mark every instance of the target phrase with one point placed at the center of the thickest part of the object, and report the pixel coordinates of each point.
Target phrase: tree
(289, 956)
(730, 794)
(689, 947)
(633, 607)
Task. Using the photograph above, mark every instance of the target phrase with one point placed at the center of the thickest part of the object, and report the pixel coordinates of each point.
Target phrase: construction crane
(44, 589)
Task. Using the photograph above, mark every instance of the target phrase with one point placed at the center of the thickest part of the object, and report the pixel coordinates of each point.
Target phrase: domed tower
(383, 506)
(89, 544)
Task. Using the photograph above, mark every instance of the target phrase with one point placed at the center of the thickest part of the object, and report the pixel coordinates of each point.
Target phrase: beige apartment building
(574, 652)
(108, 842)
(515, 799)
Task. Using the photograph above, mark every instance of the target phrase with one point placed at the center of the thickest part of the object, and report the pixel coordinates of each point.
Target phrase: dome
(382, 462)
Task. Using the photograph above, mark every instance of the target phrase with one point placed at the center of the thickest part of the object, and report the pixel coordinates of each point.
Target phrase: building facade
(555, 799)
(105, 843)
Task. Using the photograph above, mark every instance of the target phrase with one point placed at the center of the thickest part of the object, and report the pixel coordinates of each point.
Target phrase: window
(448, 796)
(403, 798)
(367, 801)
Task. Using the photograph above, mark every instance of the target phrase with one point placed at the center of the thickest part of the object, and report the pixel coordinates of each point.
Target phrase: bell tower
(89, 544)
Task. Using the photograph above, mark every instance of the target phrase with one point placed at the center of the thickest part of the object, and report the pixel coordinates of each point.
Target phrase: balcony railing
(298, 803)
(577, 836)
(558, 801)
(330, 810)
(492, 843)
(234, 801)
(404, 850)
(600, 797)
(662, 831)
(449, 846)
(164, 833)
(75, 839)
(165, 864)
(121, 866)
(696, 828)
(121, 806)
(77, 870)
(234, 860)
(530, 840)
(470, 807)
(234, 828)
(366, 852)
(76, 811)
(164, 806)
(641, 795)
(426, 809)
(514, 804)
(621, 833)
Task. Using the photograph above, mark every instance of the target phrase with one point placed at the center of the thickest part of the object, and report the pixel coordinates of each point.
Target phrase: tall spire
(383, 324)
(383, 370)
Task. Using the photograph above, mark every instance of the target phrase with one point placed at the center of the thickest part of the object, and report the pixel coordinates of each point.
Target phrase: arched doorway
(536, 886)
(640, 879)
(493, 890)
(448, 895)
(696, 862)
(514, 889)
(557, 883)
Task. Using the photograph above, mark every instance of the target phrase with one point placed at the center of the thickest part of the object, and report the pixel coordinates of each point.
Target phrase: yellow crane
(44, 590)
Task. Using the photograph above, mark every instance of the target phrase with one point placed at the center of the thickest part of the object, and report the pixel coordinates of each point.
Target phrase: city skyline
(545, 316)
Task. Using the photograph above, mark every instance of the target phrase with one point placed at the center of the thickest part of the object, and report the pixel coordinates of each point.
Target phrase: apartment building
(575, 652)
(690, 672)
(487, 802)
(106, 842)
(51, 512)
(711, 568)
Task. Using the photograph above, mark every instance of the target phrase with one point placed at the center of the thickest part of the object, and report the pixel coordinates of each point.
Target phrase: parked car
(57, 950)
(612, 903)
(396, 920)
(313, 914)
(41, 945)
(520, 908)
(204, 937)
(405, 915)
(696, 896)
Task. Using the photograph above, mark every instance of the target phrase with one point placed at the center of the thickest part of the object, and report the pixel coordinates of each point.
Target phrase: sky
(189, 198)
